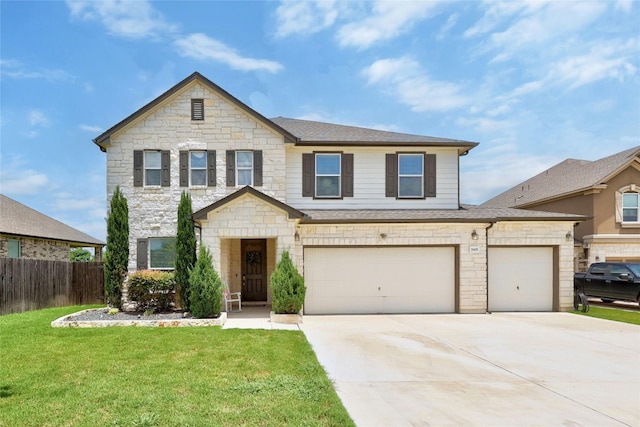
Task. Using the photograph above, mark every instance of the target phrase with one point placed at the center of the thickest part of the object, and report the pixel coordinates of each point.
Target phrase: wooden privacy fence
(31, 284)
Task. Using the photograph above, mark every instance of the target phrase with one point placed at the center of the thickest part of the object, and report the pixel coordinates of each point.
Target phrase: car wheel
(607, 300)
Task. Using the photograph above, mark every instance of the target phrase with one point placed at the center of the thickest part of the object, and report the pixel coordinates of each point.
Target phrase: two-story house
(606, 191)
(372, 219)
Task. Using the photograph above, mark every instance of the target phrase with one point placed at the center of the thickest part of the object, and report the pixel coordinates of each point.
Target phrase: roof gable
(293, 213)
(567, 178)
(104, 138)
(21, 220)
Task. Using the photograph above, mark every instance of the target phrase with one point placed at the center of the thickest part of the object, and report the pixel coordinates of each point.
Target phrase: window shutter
(430, 175)
(308, 174)
(391, 173)
(142, 253)
(138, 165)
(231, 168)
(347, 175)
(257, 168)
(166, 168)
(197, 109)
(211, 168)
(184, 168)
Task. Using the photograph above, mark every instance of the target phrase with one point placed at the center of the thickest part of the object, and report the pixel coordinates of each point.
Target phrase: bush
(205, 287)
(287, 287)
(152, 290)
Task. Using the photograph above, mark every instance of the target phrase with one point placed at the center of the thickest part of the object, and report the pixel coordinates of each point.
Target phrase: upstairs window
(198, 168)
(197, 109)
(151, 168)
(410, 175)
(328, 175)
(630, 207)
(244, 168)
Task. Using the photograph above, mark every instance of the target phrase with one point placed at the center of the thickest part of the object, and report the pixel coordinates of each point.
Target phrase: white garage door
(521, 279)
(379, 280)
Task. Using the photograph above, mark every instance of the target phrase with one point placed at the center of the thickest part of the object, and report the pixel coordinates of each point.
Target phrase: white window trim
(238, 169)
(205, 168)
(145, 169)
(339, 175)
(631, 188)
(421, 176)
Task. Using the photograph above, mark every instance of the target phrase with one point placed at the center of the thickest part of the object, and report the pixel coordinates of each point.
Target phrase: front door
(254, 270)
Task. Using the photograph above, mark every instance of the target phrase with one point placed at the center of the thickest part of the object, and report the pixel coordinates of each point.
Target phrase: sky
(534, 82)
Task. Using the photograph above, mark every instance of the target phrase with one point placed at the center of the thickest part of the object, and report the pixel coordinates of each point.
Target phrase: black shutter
(166, 168)
(347, 175)
(184, 168)
(391, 173)
(308, 174)
(211, 168)
(231, 168)
(430, 175)
(141, 253)
(257, 168)
(138, 168)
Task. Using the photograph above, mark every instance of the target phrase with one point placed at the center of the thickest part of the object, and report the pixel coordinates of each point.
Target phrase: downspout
(486, 251)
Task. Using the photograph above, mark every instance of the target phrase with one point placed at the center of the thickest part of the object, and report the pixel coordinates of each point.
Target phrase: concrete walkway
(255, 317)
(543, 369)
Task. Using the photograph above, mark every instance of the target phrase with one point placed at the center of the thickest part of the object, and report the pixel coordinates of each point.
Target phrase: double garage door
(359, 280)
(368, 280)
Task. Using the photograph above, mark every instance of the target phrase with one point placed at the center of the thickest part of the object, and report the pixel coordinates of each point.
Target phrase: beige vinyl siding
(369, 180)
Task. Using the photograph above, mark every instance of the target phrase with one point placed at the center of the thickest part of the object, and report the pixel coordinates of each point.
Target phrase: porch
(255, 317)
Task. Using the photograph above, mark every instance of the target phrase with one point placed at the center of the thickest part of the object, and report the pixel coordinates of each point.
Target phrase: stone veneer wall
(613, 250)
(153, 210)
(31, 248)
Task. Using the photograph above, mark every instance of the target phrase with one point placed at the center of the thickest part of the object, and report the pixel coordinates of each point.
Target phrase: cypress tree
(287, 287)
(205, 287)
(185, 248)
(116, 257)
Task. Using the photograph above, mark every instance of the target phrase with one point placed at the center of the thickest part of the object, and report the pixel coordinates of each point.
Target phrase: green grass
(128, 376)
(613, 314)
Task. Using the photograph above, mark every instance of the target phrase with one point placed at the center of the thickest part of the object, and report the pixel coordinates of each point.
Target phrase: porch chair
(230, 298)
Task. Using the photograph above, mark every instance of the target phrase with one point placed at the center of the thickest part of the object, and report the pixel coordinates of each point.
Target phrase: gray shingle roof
(319, 133)
(565, 178)
(467, 213)
(20, 220)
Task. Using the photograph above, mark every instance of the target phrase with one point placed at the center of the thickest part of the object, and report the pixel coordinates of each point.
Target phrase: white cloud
(129, 19)
(405, 79)
(202, 47)
(38, 118)
(22, 181)
(14, 69)
(451, 22)
(388, 19)
(90, 128)
(305, 17)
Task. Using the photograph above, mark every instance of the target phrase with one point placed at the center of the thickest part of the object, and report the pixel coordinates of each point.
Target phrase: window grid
(244, 168)
(198, 168)
(328, 167)
(152, 168)
(410, 177)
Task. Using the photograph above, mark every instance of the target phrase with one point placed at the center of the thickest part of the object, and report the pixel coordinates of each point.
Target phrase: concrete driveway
(544, 369)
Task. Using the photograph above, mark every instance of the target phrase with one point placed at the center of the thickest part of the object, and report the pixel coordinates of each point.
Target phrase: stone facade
(31, 248)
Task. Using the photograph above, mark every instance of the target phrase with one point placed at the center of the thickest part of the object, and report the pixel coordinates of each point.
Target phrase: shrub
(185, 248)
(205, 287)
(287, 287)
(151, 290)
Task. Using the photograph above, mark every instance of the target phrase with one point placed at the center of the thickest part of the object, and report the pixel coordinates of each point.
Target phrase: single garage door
(521, 279)
(379, 280)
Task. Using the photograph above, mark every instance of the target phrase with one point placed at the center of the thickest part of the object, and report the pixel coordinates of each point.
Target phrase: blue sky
(533, 82)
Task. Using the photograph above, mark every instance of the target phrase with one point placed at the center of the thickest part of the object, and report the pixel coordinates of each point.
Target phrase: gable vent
(197, 109)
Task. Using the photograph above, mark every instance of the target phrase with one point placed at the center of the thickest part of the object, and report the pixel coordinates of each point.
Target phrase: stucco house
(29, 234)
(372, 219)
(605, 191)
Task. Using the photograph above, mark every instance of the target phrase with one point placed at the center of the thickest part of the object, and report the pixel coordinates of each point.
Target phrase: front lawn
(626, 316)
(128, 376)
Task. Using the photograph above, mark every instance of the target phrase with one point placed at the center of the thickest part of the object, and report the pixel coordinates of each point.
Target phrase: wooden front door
(254, 270)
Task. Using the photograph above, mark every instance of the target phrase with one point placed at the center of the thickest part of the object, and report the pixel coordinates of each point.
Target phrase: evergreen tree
(116, 257)
(185, 248)
(287, 287)
(205, 287)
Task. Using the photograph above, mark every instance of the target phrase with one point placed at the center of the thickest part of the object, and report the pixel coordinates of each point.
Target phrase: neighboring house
(372, 219)
(606, 191)
(29, 234)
